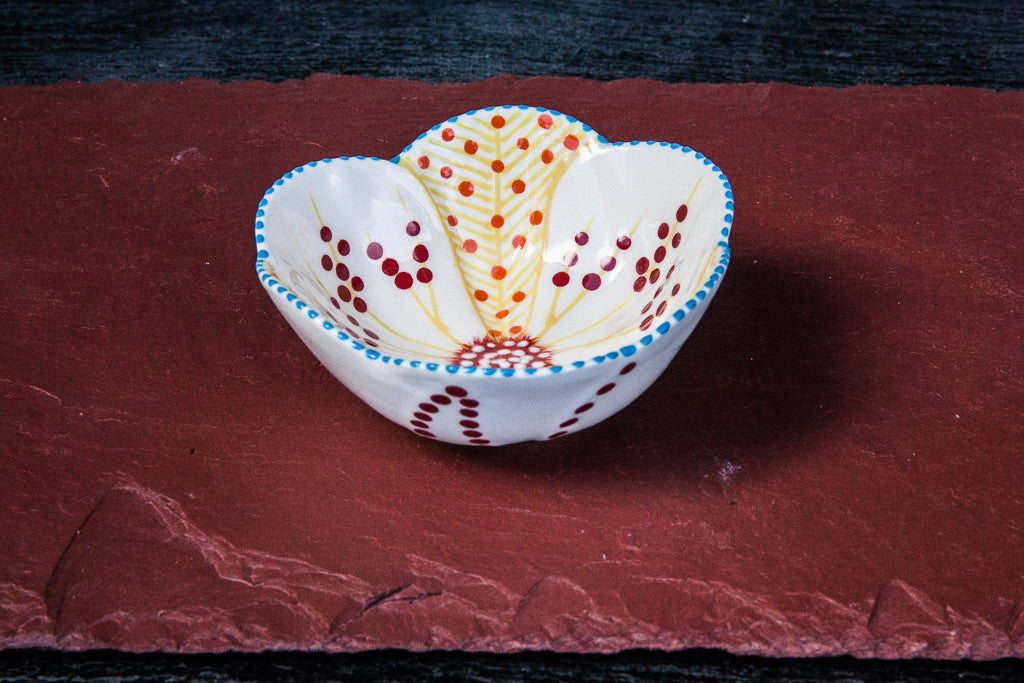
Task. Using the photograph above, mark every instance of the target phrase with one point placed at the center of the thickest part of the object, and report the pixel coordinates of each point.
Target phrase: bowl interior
(511, 237)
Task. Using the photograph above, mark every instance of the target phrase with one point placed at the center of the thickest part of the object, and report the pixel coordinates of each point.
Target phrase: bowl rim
(278, 289)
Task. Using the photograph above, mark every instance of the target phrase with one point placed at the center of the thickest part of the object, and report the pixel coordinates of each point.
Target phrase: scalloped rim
(325, 326)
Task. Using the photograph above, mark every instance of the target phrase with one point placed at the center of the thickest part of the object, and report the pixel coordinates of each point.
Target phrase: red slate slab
(831, 464)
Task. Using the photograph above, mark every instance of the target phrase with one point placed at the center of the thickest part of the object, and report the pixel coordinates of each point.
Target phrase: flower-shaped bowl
(510, 276)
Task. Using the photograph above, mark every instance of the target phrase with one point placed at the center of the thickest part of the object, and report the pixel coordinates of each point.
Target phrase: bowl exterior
(484, 407)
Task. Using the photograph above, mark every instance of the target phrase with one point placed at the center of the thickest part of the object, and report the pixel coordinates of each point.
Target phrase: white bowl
(511, 275)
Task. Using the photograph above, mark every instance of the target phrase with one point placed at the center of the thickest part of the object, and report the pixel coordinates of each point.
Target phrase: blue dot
(628, 351)
(647, 340)
(313, 314)
(399, 361)
(290, 297)
(414, 364)
(263, 253)
(451, 369)
(490, 371)
(679, 315)
(386, 359)
(598, 359)
(701, 294)
(663, 328)
(507, 372)
(357, 346)
(729, 205)
(728, 218)
(432, 366)
(260, 239)
(691, 304)
(372, 355)
(555, 369)
(725, 232)
(578, 364)
(531, 371)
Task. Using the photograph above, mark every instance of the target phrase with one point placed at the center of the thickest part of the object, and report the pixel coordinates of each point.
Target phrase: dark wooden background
(807, 43)
(835, 43)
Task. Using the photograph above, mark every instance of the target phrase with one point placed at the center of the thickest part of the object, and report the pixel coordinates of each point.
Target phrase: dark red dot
(359, 305)
(422, 416)
(655, 274)
(659, 254)
(354, 321)
(419, 423)
(374, 250)
(608, 263)
(424, 432)
(447, 134)
(413, 228)
(469, 402)
(357, 283)
(560, 279)
(582, 238)
(403, 280)
(570, 422)
(661, 308)
(467, 412)
(584, 408)
(334, 302)
(675, 289)
(569, 259)
(343, 247)
(479, 442)
(469, 424)
(471, 432)
(424, 275)
(470, 146)
(423, 162)
(676, 239)
(591, 281)
(429, 408)
(647, 307)
(557, 434)
(642, 265)
(605, 389)
(327, 262)
(389, 267)
(325, 234)
(344, 294)
(681, 213)
(341, 270)
(440, 399)
(639, 283)
(623, 242)
(663, 231)
(627, 368)
(458, 392)
(648, 321)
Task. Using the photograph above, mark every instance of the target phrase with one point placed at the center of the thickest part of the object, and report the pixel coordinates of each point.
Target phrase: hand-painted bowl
(510, 276)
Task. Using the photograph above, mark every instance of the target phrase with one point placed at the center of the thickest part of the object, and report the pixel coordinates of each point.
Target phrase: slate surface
(830, 465)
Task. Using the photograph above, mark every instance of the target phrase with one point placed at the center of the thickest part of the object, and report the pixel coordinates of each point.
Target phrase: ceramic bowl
(510, 276)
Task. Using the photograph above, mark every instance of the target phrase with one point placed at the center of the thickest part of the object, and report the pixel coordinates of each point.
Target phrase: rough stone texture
(831, 464)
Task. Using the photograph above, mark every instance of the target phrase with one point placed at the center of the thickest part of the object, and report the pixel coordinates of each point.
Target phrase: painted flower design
(513, 238)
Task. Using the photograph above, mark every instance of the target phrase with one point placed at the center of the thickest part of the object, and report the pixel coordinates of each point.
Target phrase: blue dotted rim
(275, 287)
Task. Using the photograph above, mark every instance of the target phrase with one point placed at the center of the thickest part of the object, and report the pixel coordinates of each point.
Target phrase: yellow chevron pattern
(492, 175)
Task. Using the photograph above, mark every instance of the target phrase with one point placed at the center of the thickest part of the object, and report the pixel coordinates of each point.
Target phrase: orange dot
(536, 217)
(571, 142)
(496, 334)
(446, 171)
(503, 313)
(447, 134)
(523, 143)
(453, 221)
(518, 186)
(546, 156)
(470, 147)
(424, 162)
(497, 221)
(518, 242)
(497, 166)
(518, 296)
(469, 246)
(465, 188)
(544, 120)
(498, 273)
(515, 329)
(498, 121)
(480, 295)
